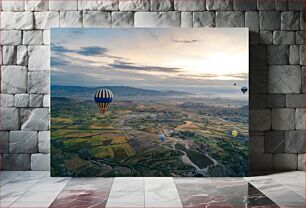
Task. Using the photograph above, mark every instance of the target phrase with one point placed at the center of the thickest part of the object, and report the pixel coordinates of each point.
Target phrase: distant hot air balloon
(103, 98)
(235, 84)
(162, 137)
(234, 133)
(244, 89)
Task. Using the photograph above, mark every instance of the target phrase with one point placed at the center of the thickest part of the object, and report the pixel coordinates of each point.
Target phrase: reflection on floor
(37, 189)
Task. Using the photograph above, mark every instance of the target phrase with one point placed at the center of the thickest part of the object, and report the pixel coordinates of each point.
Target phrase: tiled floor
(36, 189)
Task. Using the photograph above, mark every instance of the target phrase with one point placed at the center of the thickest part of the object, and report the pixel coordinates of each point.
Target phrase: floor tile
(126, 200)
(128, 184)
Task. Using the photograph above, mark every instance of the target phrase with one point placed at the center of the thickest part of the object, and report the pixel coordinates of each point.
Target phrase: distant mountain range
(118, 91)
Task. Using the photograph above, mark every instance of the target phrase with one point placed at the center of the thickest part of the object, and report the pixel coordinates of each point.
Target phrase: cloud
(58, 61)
(185, 41)
(92, 51)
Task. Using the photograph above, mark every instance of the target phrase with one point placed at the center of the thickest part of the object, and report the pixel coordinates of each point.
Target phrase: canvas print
(149, 102)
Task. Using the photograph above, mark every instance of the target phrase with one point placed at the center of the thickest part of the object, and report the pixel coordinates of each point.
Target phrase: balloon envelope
(162, 137)
(244, 89)
(103, 98)
(234, 133)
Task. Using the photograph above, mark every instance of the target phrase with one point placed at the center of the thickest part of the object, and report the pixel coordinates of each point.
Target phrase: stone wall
(276, 68)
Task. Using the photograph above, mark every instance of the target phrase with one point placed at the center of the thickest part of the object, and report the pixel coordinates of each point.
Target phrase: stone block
(283, 118)
(24, 20)
(44, 141)
(9, 55)
(35, 119)
(290, 21)
(260, 120)
(302, 56)
(300, 119)
(14, 162)
(203, 19)
(276, 100)
(22, 55)
(13, 79)
(256, 144)
(281, 5)
(23, 142)
(302, 20)
(38, 82)
(296, 5)
(98, 5)
(22, 100)
(269, 20)
(216, 5)
(40, 162)
(278, 54)
(97, 19)
(299, 37)
(257, 101)
(294, 54)
(162, 5)
(63, 5)
(36, 5)
(265, 5)
(245, 5)
(251, 21)
(46, 37)
(71, 19)
(185, 6)
(186, 19)
(266, 37)
(157, 19)
(294, 142)
(4, 141)
(46, 101)
(6, 100)
(46, 20)
(260, 162)
(283, 37)
(39, 58)
(36, 100)
(301, 162)
(122, 19)
(7, 20)
(274, 141)
(33, 37)
(229, 19)
(11, 37)
(285, 162)
(14, 5)
(295, 100)
(134, 5)
(10, 119)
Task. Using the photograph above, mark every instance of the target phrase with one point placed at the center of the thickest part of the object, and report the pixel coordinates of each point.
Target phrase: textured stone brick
(256, 144)
(275, 142)
(245, 5)
(46, 37)
(269, 20)
(35, 120)
(285, 162)
(302, 20)
(295, 100)
(134, 5)
(9, 55)
(45, 20)
(98, 5)
(230, 19)
(33, 37)
(283, 118)
(299, 119)
(157, 19)
(302, 56)
(4, 141)
(265, 5)
(278, 54)
(40, 162)
(203, 19)
(24, 20)
(7, 20)
(294, 54)
(301, 162)
(299, 37)
(36, 100)
(122, 19)
(266, 37)
(14, 5)
(281, 5)
(251, 21)
(36, 5)
(46, 101)
(260, 120)
(38, 82)
(39, 58)
(16, 162)
(22, 55)
(9, 119)
(222, 5)
(186, 19)
(21, 100)
(290, 21)
(97, 19)
(23, 142)
(63, 5)
(71, 19)
(44, 141)
(194, 5)
(13, 79)
(257, 101)
(283, 38)
(261, 161)
(162, 5)
(6, 100)
(294, 141)
(297, 5)
(11, 37)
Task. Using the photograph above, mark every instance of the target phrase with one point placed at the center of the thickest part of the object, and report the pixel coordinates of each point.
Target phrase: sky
(195, 60)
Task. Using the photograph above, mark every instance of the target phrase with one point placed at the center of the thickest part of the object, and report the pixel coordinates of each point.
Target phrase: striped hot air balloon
(103, 98)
